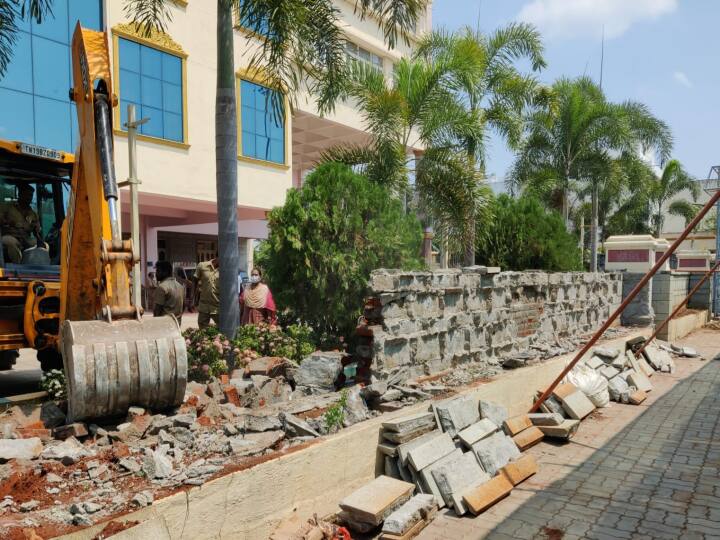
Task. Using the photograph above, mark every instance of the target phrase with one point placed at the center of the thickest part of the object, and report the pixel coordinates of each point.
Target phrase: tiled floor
(648, 471)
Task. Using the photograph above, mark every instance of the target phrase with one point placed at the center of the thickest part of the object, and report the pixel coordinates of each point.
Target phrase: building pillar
(249, 244)
(151, 248)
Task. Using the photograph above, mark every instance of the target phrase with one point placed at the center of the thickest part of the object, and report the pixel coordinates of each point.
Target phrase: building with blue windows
(169, 77)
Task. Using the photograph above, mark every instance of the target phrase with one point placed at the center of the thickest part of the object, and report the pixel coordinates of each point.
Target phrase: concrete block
(608, 372)
(494, 412)
(407, 436)
(428, 453)
(617, 387)
(563, 390)
(656, 357)
(552, 405)
(410, 423)
(487, 494)
(405, 448)
(457, 414)
(637, 397)
(495, 452)
(546, 419)
(428, 480)
(404, 518)
(639, 364)
(388, 449)
(516, 424)
(639, 381)
(528, 437)
(377, 499)
(606, 352)
(520, 470)
(458, 476)
(625, 374)
(566, 430)
(391, 468)
(476, 432)
(577, 405)
(594, 362)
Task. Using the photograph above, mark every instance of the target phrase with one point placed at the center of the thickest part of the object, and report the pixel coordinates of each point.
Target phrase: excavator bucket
(113, 365)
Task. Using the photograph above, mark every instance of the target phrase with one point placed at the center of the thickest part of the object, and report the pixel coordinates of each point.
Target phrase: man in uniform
(20, 224)
(207, 280)
(169, 294)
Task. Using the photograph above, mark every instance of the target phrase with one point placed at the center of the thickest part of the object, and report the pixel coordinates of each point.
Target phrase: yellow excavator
(69, 297)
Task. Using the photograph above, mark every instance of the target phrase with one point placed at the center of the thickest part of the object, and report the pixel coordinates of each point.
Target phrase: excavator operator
(19, 224)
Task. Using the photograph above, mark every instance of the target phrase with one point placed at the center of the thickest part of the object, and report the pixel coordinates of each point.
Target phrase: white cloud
(682, 79)
(579, 18)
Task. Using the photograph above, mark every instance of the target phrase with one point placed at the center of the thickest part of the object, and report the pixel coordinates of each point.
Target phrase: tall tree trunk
(582, 240)
(226, 171)
(594, 229)
(471, 239)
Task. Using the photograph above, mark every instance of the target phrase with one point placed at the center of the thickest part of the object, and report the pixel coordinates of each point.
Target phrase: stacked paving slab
(459, 454)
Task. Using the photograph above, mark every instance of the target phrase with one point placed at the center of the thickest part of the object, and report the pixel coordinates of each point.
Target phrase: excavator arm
(113, 357)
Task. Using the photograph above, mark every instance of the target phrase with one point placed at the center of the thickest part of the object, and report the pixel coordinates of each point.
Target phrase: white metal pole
(133, 182)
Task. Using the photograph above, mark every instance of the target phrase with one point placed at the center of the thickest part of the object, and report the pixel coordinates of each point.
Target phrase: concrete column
(249, 245)
(151, 248)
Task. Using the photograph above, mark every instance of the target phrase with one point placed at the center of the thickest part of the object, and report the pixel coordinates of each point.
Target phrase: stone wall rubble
(430, 321)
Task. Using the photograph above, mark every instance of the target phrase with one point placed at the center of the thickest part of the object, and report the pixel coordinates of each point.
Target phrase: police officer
(169, 294)
(20, 224)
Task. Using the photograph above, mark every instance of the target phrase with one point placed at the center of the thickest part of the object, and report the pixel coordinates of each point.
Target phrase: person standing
(207, 292)
(256, 302)
(169, 293)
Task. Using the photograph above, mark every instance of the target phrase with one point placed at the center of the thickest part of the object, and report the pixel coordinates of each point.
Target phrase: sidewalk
(648, 471)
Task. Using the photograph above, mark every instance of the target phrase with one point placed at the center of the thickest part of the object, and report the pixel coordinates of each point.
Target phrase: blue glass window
(34, 90)
(259, 27)
(263, 130)
(151, 80)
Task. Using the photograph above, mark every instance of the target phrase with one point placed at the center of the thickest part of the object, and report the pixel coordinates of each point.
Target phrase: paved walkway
(648, 471)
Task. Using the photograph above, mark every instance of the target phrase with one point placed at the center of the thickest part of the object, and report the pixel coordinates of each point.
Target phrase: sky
(664, 53)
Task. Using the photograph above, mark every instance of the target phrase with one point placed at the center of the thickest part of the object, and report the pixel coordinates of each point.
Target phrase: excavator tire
(112, 366)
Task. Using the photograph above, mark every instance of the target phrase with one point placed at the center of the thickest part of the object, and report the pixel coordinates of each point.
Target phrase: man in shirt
(207, 281)
(169, 294)
(20, 224)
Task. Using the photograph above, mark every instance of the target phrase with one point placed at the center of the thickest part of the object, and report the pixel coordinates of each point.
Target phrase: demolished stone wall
(430, 321)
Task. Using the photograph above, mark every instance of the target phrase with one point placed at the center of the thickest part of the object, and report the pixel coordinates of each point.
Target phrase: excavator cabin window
(33, 196)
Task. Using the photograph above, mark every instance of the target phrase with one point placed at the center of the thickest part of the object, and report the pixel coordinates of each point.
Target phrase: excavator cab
(66, 292)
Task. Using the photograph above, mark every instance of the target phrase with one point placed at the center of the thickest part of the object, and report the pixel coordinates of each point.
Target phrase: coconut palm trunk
(226, 171)
(594, 228)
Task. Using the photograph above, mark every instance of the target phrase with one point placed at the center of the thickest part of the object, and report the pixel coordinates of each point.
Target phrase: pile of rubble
(75, 474)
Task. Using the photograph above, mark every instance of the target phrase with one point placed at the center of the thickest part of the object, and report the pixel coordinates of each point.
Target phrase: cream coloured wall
(190, 172)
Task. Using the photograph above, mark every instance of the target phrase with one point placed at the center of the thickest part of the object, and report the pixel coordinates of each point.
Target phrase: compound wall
(430, 321)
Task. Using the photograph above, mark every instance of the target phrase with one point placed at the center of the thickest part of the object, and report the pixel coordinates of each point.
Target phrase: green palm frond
(684, 209)
(149, 14)
(397, 18)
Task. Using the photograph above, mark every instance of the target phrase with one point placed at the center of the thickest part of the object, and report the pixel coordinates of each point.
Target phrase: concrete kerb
(249, 504)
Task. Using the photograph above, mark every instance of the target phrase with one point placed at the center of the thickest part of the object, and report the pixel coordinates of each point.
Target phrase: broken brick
(120, 450)
(231, 395)
(637, 397)
(516, 424)
(224, 379)
(205, 421)
(520, 469)
(77, 429)
(28, 433)
(485, 495)
(528, 437)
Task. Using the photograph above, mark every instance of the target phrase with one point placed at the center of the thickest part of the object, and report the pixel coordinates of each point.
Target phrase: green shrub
(325, 241)
(525, 236)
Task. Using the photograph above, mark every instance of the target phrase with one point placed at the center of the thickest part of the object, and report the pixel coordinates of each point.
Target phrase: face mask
(254, 279)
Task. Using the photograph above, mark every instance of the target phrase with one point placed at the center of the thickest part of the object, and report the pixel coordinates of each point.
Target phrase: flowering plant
(207, 351)
(54, 383)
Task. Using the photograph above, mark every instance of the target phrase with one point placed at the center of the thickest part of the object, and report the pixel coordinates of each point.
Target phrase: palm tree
(577, 136)
(663, 188)
(482, 72)
(417, 109)
(304, 44)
